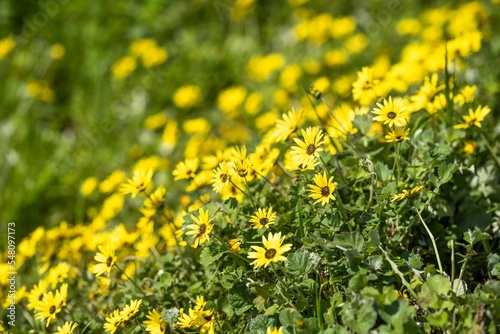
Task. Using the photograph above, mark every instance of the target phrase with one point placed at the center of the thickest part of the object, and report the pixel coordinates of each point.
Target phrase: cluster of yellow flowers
(145, 49)
(219, 163)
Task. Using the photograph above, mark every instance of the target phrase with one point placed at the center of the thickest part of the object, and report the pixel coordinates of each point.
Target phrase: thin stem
(433, 240)
(131, 280)
(373, 184)
(488, 146)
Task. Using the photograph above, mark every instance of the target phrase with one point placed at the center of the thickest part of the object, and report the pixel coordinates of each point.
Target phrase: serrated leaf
(441, 151)
(347, 241)
(260, 323)
(210, 254)
(446, 171)
(414, 261)
(472, 237)
(240, 298)
(302, 262)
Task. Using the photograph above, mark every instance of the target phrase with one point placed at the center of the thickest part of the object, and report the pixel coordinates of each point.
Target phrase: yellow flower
(140, 182)
(113, 322)
(407, 193)
(186, 169)
(398, 134)
(286, 126)
(106, 258)
(155, 324)
(6, 46)
(187, 96)
(88, 186)
(201, 230)
(392, 112)
(470, 146)
(474, 118)
(221, 177)
(309, 147)
(235, 245)
(263, 218)
(130, 309)
(260, 68)
(67, 328)
(156, 121)
(272, 251)
(364, 89)
(231, 99)
(274, 330)
(48, 307)
(123, 67)
(57, 51)
(40, 90)
(323, 189)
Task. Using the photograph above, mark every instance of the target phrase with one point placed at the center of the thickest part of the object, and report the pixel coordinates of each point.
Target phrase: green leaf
(272, 310)
(494, 264)
(413, 260)
(396, 314)
(210, 254)
(302, 262)
(358, 282)
(439, 284)
(441, 151)
(439, 319)
(240, 298)
(383, 171)
(288, 317)
(347, 241)
(446, 171)
(359, 315)
(472, 237)
(374, 238)
(260, 323)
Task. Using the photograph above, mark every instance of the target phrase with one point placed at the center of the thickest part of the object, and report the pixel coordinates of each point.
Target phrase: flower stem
(433, 240)
(488, 146)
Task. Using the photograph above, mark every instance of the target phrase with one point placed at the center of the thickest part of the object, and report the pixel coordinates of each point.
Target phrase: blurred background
(77, 85)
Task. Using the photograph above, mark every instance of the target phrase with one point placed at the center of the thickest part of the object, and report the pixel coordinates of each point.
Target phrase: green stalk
(433, 240)
(488, 146)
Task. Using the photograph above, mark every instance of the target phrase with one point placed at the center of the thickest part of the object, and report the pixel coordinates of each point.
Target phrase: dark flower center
(109, 261)
(270, 253)
(263, 221)
(311, 149)
(203, 229)
(391, 115)
(325, 191)
(223, 177)
(52, 309)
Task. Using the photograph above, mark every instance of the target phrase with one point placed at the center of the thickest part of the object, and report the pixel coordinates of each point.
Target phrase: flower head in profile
(155, 324)
(263, 218)
(198, 317)
(407, 193)
(322, 190)
(106, 258)
(272, 251)
(113, 321)
(474, 118)
(201, 230)
(392, 112)
(140, 182)
(67, 328)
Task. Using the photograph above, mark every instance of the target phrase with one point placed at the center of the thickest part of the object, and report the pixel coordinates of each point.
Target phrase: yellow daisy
(272, 251)
(155, 324)
(392, 112)
(106, 259)
(309, 147)
(140, 182)
(201, 230)
(323, 189)
(263, 218)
